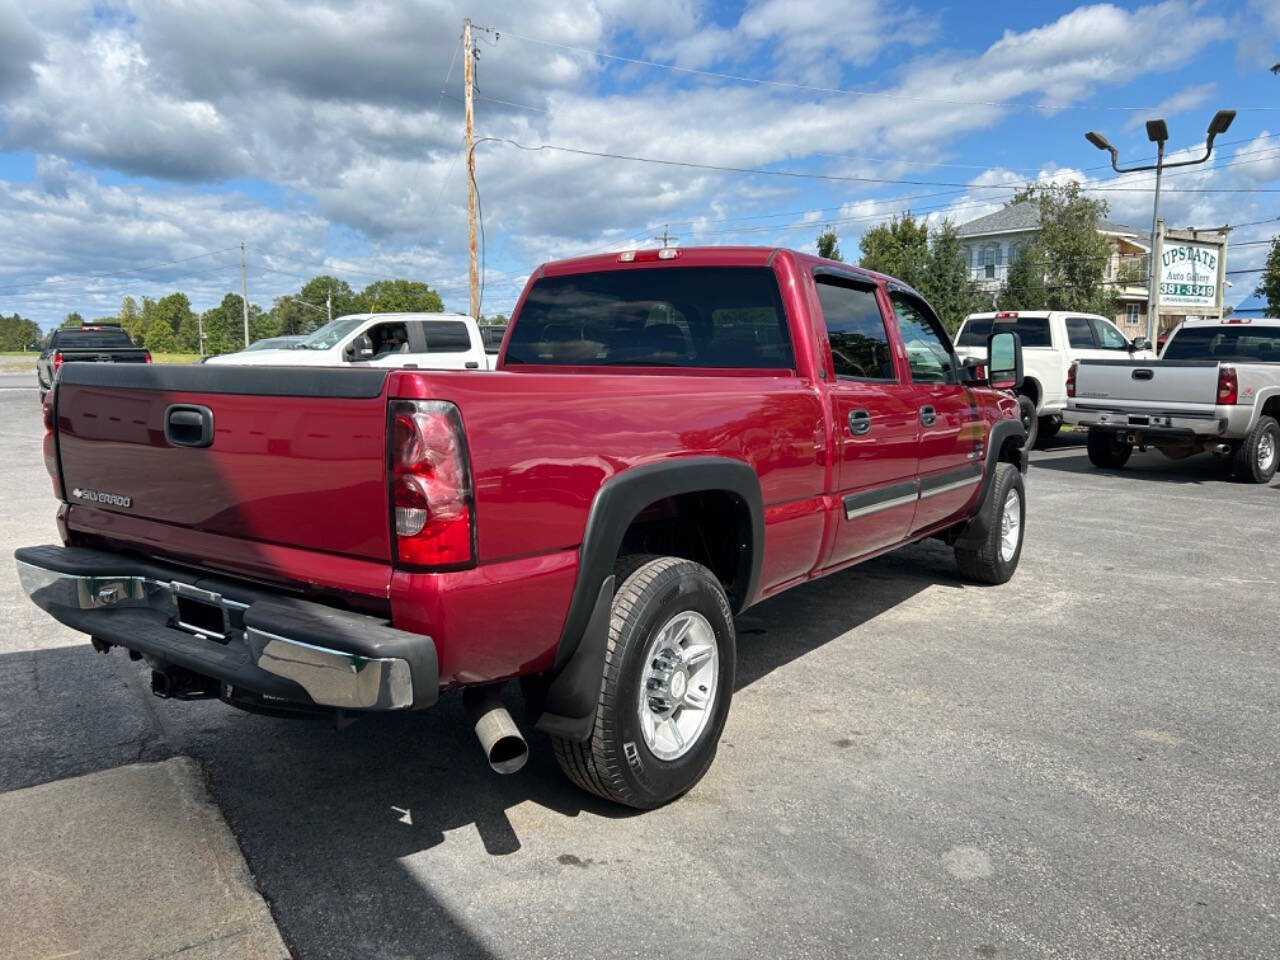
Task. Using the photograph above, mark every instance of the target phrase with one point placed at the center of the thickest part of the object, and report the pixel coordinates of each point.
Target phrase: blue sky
(326, 135)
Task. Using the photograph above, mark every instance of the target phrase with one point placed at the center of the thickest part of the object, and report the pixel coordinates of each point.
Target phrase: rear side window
(855, 330)
(106, 338)
(1080, 333)
(446, 336)
(659, 316)
(1034, 331)
(1237, 343)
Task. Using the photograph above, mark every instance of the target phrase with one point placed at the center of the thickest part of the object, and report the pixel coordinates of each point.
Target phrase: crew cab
(435, 341)
(670, 437)
(89, 343)
(1215, 389)
(1051, 341)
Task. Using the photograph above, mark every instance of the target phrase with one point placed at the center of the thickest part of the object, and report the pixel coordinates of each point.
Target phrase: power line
(800, 175)
(841, 91)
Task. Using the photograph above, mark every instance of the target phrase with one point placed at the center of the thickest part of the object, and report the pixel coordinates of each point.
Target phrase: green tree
(899, 248)
(945, 283)
(1024, 286)
(157, 336)
(1073, 253)
(131, 318)
(1269, 285)
(224, 325)
(18, 333)
(73, 319)
(399, 296)
(829, 244)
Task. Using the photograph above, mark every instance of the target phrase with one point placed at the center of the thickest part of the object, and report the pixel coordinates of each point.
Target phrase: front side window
(1080, 333)
(1109, 338)
(928, 352)
(855, 330)
(388, 338)
(719, 317)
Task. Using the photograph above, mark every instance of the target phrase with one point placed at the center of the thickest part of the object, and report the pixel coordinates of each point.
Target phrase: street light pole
(1158, 133)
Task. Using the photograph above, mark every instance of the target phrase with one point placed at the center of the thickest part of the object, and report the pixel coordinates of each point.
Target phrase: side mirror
(1004, 366)
(1139, 343)
(360, 348)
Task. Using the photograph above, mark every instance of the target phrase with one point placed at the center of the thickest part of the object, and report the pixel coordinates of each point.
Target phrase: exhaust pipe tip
(504, 746)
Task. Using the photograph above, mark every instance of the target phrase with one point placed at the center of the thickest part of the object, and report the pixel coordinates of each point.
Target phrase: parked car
(670, 437)
(492, 335)
(436, 341)
(1216, 389)
(287, 342)
(90, 343)
(1051, 342)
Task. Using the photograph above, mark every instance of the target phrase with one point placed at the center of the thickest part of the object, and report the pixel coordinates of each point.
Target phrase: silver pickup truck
(1215, 389)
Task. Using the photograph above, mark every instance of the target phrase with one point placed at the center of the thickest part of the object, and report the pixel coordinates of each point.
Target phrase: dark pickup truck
(670, 436)
(96, 343)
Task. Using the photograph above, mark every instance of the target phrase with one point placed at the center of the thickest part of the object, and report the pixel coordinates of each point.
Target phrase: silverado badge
(101, 496)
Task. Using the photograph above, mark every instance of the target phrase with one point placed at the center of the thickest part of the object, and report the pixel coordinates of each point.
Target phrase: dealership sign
(1190, 276)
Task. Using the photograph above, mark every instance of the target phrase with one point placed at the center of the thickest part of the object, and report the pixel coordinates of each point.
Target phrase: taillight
(146, 357)
(431, 497)
(57, 360)
(1228, 385)
(1071, 380)
(49, 447)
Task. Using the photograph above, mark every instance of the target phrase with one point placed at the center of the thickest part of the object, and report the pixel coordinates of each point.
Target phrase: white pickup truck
(431, 341)
(1051, 341)
(1215, 389)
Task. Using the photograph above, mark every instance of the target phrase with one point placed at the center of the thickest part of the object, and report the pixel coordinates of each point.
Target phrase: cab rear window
(1034, 331)
(662, 317)
(105, 338)
(1240, 344)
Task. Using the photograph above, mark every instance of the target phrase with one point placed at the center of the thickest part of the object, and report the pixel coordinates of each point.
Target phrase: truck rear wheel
(1255, 458)
(1108, 450)
(668, 681)
(1048, 428)
(1003, 515)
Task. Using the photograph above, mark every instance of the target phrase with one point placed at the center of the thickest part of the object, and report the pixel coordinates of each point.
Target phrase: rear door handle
(1143, 374)
(188, 425)
(928, 416)
(859, 422)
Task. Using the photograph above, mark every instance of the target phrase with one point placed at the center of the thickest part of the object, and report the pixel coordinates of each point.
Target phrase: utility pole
(244, 294)
(328, 303)
(468, 85)
(666, 237)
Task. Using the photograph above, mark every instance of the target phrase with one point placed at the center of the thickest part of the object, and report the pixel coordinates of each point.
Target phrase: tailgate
(1171, 384)
(297, 456)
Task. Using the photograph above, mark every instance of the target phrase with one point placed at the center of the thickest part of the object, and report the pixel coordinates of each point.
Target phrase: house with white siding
(993, 242)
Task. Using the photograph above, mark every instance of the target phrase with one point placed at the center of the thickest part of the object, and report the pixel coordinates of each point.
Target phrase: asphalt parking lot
(1081, 763)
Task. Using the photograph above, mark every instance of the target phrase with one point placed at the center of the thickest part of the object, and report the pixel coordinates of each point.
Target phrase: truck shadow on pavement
(331, 821)
(1150, 467)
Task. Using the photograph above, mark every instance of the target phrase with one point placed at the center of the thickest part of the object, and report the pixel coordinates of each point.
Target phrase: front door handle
(928, 416)
(859, 422)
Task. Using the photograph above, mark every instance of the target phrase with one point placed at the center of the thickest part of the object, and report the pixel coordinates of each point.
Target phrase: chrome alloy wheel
(678, 685)
(1010, 526)
(1266, 451)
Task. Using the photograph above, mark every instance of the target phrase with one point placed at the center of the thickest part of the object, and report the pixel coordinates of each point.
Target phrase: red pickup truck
(670, 436)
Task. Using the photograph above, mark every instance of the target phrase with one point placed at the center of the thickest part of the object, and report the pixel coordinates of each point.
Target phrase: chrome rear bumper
(281, 648)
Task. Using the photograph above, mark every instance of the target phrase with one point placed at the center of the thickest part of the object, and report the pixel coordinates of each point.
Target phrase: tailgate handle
(1143, 374)
(187, 425)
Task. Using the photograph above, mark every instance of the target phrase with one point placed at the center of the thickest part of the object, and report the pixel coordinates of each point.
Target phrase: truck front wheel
(1255, 457)
(668, 681)
(1030, 420)
(1108, 450)
(1003, 517)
